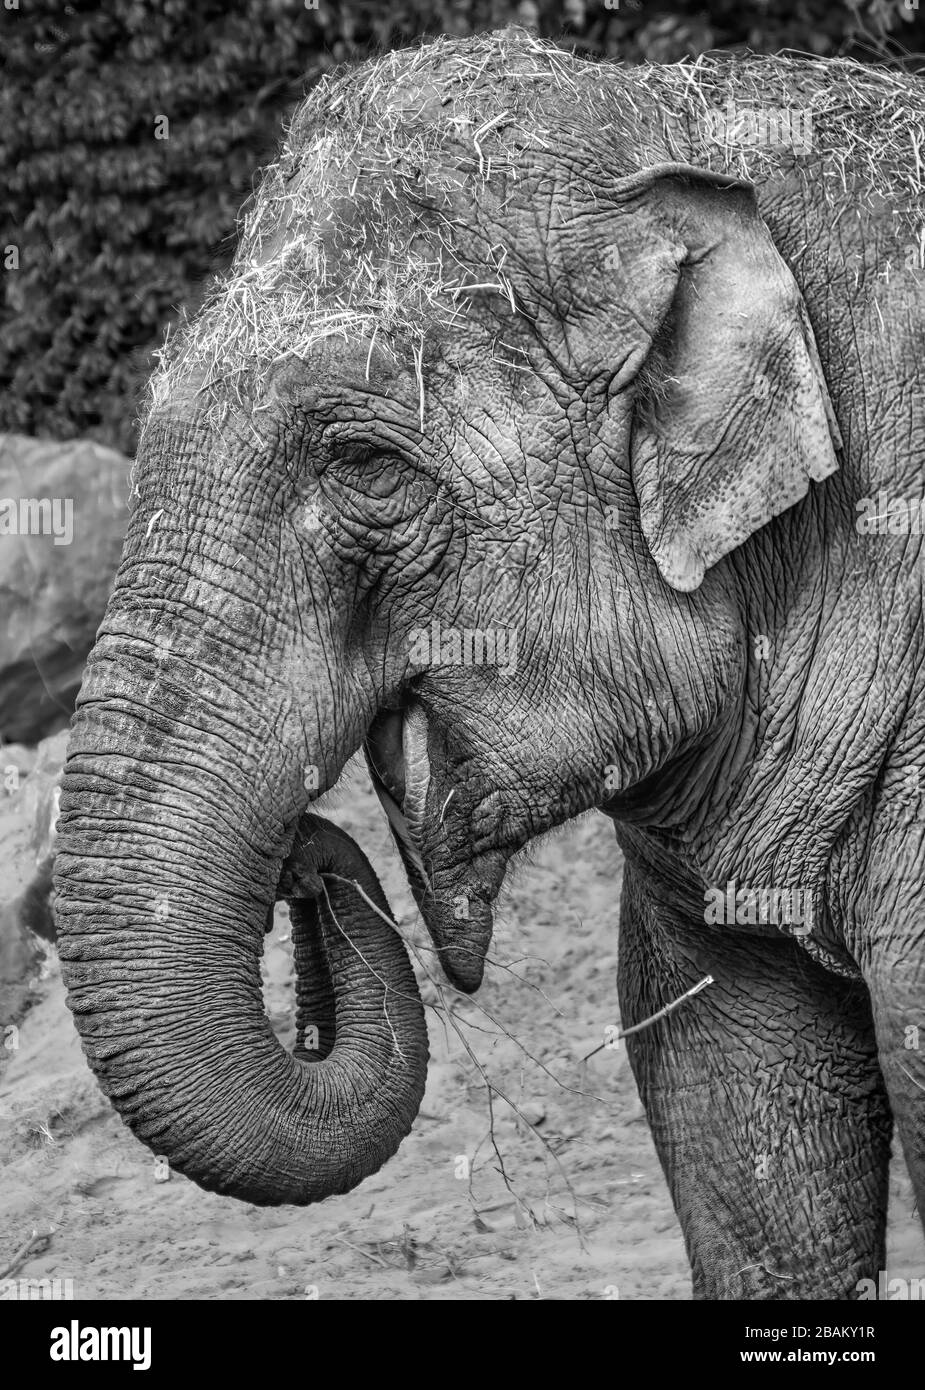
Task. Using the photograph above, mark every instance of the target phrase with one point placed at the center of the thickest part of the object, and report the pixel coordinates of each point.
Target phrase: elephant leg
(889, 941)
(766, 1104)
(898, 995)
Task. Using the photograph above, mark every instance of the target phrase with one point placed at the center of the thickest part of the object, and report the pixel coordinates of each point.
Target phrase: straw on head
(351, 230)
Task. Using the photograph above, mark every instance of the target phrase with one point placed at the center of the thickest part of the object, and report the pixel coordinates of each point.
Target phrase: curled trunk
(161, 919)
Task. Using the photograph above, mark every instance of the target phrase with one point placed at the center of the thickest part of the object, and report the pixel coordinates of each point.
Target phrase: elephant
(533, 442)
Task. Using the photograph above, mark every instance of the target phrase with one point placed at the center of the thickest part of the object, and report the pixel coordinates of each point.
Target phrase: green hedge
(114, 228)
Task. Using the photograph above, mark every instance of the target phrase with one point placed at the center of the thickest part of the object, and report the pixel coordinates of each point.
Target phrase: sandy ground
(581, 1210)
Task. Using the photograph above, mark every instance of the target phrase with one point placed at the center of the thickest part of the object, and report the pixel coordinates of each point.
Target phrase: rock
(20, 959)
(16, 762)
(29, 915)
(41, 791)
(63, 514)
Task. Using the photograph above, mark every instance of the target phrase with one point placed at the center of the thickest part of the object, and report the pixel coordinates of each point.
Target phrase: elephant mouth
(397, 756)
(454, 858)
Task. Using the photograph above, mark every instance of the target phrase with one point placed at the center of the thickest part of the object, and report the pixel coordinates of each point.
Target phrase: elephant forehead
(348, 229)
(366, 227)
(350, 246)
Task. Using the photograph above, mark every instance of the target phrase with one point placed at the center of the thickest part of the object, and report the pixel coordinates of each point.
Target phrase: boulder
(28, 815)
(63, 514)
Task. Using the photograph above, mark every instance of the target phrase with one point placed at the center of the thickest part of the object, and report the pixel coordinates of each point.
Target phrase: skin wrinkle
(163, 763)
(253, 715)
(214, 843)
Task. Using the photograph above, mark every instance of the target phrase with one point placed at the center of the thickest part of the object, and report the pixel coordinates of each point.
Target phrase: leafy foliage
(130, 134)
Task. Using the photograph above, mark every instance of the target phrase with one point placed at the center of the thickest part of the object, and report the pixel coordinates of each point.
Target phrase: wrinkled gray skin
(673, 388)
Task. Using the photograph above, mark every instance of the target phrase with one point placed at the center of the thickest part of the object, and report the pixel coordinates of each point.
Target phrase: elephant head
(436, 469)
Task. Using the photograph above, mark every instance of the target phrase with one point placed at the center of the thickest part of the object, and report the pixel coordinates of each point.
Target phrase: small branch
(386, 987)
(654, 1018)
(376, 1259)
(37, 1241)
(911, 1077)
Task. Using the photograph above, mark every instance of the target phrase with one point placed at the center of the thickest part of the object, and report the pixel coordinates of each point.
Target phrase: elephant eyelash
(357, 454)
(353, 454)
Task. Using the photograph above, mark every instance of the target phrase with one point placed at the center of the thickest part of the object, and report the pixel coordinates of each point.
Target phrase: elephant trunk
(165, 875)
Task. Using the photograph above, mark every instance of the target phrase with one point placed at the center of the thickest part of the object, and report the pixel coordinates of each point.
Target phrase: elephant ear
(732, 417)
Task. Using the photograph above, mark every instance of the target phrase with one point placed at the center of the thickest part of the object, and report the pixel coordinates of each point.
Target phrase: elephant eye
(355, 453)
(367, 472)
(358, 456)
